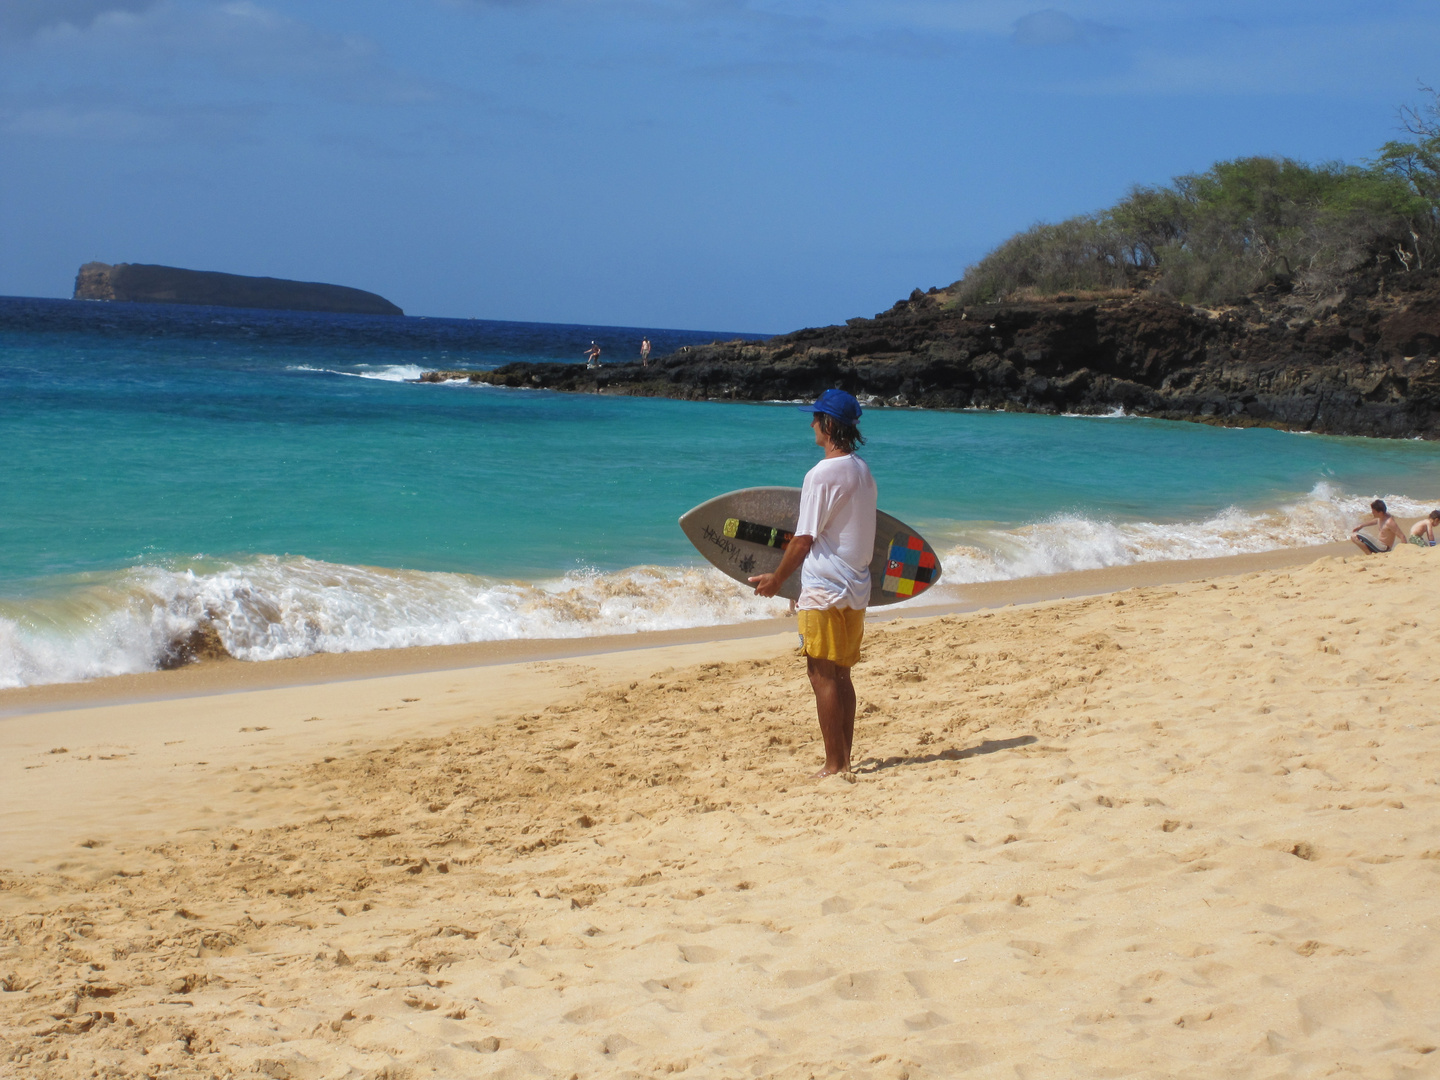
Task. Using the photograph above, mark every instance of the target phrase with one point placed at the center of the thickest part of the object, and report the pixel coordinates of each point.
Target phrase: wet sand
(1178, 830)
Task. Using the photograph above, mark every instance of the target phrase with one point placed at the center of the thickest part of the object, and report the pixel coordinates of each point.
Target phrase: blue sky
(753, 165)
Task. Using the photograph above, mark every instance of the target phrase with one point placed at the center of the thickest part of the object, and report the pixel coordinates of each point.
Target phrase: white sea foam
(1076, 542)
(388, 373)
(1117, 413)
(271, 608)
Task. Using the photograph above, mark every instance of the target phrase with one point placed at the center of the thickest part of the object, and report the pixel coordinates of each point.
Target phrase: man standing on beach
(833, 544)
(645, 352)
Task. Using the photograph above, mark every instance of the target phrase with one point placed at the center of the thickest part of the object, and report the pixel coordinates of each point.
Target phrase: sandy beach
(1184, 829)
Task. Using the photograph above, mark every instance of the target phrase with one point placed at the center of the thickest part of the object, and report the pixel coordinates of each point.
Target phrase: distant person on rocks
(592, 356)
(645, 352)
(833, 543)
(1423, 531)
(1389, 531)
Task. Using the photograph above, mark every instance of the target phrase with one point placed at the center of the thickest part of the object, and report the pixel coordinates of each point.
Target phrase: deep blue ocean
(282, 478)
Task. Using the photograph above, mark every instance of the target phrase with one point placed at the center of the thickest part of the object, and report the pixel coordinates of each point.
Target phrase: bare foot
(827, 771)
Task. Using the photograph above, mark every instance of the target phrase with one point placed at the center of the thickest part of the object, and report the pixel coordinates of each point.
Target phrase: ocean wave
(270, 608)
(1066, 542)
(388, 373)
(1117, 413)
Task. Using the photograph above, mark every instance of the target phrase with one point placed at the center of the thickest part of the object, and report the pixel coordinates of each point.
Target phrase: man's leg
(847, 709)
(835, 708)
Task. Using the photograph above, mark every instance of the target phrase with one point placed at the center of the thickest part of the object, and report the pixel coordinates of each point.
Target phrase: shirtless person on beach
(1423, 531)
(834, 540)
(1389, 531)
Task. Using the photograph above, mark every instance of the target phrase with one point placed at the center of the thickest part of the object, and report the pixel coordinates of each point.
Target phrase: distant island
(145, 284)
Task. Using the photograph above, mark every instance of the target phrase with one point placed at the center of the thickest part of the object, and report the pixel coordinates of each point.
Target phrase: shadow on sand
(989, 746)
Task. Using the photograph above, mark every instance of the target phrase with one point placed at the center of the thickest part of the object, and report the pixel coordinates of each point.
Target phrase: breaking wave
(386, 373)
(269, 607)
(1076, 542)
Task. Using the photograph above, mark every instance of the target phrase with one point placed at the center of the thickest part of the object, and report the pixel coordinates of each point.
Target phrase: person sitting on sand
(834, 540)
(1423, 531)
(1389, 531)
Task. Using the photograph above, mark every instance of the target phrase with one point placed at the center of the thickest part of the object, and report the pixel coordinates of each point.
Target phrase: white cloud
(254, 42)
(86, 121)
(137, 46)
(1049, 27)
(31, 16)
(990, 18)
(106, 124)
(148, 60)
(1358, 59)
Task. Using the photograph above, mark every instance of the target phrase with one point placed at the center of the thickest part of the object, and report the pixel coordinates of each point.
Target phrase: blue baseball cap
(836, 403)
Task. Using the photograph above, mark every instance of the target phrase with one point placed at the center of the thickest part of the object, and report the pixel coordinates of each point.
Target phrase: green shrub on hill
(1217, 235)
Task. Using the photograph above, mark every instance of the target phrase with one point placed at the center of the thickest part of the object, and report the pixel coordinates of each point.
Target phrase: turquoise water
(277, 477)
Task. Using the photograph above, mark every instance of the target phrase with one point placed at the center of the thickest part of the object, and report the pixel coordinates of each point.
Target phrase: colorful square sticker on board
(908, 568)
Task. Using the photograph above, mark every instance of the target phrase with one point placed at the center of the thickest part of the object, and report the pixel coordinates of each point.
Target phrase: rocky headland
(1364, 360)
(143, 283)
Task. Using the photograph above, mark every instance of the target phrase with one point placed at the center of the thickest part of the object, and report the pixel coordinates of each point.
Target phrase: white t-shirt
(837, 508)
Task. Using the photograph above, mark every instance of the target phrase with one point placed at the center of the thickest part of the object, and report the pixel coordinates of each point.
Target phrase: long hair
(846, 437)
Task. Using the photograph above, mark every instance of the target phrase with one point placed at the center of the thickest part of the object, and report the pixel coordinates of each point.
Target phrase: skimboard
(745, 532)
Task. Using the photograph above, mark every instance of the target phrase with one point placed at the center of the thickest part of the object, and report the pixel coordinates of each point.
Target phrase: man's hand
(766, 584)
(795, 552)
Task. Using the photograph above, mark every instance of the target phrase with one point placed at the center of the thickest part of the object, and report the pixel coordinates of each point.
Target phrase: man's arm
(795, 552)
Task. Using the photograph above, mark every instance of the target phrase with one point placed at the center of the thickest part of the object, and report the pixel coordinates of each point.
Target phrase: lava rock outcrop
(1364, 361)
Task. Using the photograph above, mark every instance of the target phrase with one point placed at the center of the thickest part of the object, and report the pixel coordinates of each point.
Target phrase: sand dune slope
(1180, 832)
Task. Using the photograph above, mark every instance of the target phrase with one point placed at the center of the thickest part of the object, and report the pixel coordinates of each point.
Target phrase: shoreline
(228, 676)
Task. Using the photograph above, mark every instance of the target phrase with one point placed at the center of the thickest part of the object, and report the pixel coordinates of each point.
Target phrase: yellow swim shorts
(832, 634)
